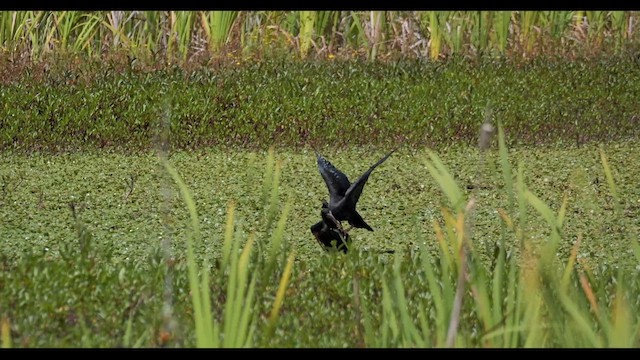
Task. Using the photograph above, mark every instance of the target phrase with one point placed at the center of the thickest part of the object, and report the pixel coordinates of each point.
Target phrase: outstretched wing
(355, 190)
(337, 182)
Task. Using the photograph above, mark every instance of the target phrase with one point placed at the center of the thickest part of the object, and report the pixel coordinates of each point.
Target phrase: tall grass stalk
(619, 28)
(377, 26)
(307, 24)
(482, 25)
(597, 21)
(184, 25)
(239, 318)
(277, 304)
(326, 25)
(435, 35)
(205, 335)
(158, 35)
(503, 20)
(527, 32)
(217, 27)
(533, 298)
(355, 34)
(5, 333)
(88, 27)
(277, 237)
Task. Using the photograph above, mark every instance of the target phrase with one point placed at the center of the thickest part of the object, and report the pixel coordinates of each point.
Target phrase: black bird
(329, 232)
(343, 195)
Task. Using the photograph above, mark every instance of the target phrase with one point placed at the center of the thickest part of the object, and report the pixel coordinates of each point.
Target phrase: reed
(528, 300)
(176, 35)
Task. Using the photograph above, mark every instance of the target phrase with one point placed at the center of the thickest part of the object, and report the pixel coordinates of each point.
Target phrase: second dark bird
(329, 232)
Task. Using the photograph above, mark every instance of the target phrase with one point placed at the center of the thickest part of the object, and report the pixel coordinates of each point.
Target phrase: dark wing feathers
(353, 193)
(337, 182)
(343, 196)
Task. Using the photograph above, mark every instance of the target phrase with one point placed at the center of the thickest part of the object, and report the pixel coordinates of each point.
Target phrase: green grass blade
(445, 181)
(435, 34)
(389, 313)
(621, 334)
(512, 301)
(357, 30)
(204, 337)
(5, 333)
(370, 336)
(282, 287)
(583, 324)
(442, 311)
(87, 33)
(217, 25)
(498, 286)
(228, 235)
(410, 335)
(206, 303)
(544, 210)
(502, 19)
(481, 295)
(243, 336)
(234, 330)
(278, 236)
(307, 24)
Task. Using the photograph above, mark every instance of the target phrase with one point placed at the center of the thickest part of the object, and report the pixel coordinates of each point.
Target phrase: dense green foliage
(96, 279)
(340, 104)
(109, 238)
(126, 217)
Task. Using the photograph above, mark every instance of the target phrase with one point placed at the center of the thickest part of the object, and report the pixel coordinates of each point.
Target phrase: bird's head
(327, 218)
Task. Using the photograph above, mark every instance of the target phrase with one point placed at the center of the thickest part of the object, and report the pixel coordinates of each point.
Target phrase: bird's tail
(358, 221)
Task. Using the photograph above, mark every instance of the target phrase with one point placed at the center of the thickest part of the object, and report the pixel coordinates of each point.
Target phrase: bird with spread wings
(343, 198)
